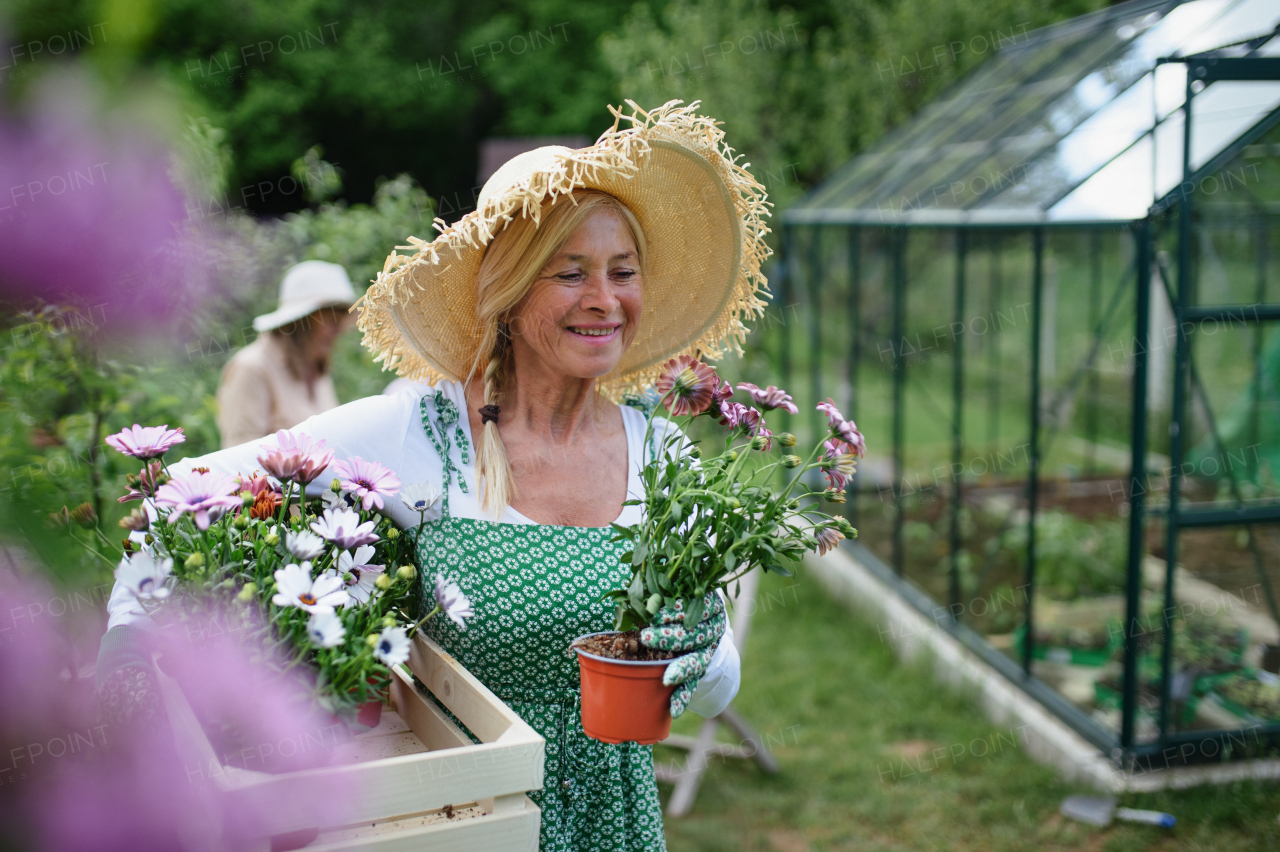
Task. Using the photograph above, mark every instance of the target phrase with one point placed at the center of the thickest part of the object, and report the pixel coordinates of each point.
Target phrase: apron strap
(438, 433)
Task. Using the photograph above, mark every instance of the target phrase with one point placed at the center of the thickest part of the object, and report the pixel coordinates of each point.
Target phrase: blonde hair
(507, 273)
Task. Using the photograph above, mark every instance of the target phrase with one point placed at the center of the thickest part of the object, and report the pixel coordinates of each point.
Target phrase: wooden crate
(407, 770)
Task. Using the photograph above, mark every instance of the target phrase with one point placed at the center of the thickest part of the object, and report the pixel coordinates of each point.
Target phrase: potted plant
(706, 521)
(313, 584)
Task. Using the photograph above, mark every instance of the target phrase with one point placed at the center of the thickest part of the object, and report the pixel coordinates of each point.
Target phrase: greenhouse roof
(1075, 123)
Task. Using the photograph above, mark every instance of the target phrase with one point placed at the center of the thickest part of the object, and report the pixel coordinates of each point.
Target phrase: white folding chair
(687, 775)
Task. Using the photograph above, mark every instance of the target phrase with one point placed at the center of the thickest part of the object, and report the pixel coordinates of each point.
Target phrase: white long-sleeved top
(388, 430)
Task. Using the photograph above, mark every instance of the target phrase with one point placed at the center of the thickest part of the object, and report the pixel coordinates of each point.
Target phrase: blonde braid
(493, 467)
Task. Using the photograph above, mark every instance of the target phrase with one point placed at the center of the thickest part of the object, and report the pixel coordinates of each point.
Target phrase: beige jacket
(258, 395)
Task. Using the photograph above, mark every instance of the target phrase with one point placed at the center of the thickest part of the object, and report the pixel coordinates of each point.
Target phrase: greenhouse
(1050, 300)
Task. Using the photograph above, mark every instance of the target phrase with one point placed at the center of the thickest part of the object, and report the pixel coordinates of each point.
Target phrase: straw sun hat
(703, 218)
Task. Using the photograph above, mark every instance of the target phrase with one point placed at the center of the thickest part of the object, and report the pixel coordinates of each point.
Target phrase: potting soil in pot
(623, 646)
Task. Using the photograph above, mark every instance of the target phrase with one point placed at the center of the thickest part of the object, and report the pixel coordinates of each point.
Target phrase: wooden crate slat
(509, 830)
(459, 690)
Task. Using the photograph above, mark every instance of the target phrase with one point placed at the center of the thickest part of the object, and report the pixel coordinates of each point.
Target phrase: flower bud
(786, 439)
(393, 534)
(335, 486)
(845, 527)
(272, 539)
(696, 452)
(406, 572)
(241, 522)
(195, 560)
(148, 539)
(371, 640)
(790, 461)
(388, 621)
(654, 603)
(227, 584)
(246, 499)
(731, 456)
(834, 496)
(383, 582)
(759, 442)
(247, 593)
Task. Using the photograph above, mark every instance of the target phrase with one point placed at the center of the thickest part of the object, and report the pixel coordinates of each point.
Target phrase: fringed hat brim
(703, 218)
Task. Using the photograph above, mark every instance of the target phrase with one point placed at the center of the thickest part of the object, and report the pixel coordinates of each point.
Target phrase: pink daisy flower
(295, 457)
(205, 495)
(769, 398)
(838, 463)
(367, 481)
(828, 538)
(687, 385)
(146, 442)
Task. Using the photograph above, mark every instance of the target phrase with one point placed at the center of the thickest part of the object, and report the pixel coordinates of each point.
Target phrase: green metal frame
(1169, 747)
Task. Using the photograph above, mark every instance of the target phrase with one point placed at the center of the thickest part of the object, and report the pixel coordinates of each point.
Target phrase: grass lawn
(856, 731)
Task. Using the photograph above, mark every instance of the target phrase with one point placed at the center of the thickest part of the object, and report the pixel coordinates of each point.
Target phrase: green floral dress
(534, 589)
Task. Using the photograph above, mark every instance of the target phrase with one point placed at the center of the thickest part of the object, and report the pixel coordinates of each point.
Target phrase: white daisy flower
(296, 588)
(145, 576)
(421, 497)
(452, 601)
(358, 576)
(303, 545)
(325, 629)
(392, 647)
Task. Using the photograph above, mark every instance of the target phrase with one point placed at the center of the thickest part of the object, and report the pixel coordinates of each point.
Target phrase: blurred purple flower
(88, 213)
(86, 786)
(146, 442)
(205, 495)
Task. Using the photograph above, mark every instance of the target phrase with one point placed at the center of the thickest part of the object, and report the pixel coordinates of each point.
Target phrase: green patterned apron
(534, 589)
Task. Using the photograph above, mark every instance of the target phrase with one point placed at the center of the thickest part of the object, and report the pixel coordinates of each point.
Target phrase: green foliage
(708, 521)
(61, 393)
(800, 91)
(1074, 557)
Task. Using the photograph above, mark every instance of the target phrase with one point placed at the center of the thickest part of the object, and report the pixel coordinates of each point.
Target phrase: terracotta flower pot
(369, 713)
(624, 700)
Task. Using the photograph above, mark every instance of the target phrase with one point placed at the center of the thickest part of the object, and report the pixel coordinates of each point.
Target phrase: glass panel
(1225, 110)
(1168, 154)
(1224, 590)
(1176, 28)
(1121, 190)
(1171, 87)
(1245, 20)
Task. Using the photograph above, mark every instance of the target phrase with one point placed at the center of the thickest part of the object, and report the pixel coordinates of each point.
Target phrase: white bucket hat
(306, 288)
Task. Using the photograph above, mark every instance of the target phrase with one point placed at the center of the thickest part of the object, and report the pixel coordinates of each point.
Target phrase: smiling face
(584, 307)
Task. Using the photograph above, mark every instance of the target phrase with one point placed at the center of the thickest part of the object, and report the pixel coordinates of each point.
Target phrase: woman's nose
(597, 293)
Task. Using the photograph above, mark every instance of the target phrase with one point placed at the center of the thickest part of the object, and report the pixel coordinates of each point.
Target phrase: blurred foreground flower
(75, 176)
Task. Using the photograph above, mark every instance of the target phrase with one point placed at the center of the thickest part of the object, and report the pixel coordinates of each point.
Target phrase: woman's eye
(624, 274)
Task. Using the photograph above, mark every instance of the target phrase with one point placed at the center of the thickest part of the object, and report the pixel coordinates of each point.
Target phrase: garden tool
(1099, 810)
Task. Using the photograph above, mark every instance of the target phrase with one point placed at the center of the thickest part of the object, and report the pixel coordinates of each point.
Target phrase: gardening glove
(668, 633)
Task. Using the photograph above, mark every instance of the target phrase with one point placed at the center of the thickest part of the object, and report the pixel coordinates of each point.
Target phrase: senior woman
(578, 276)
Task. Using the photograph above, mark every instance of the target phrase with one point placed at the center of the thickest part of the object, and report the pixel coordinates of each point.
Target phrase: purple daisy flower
(368, 481)
(295, 457)
(769, 398)
(146, 442)
(205, 495)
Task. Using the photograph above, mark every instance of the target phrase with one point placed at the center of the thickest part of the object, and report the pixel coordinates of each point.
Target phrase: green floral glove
(668, 633)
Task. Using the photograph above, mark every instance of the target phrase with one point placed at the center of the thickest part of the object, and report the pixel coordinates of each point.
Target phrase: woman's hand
(668, 633)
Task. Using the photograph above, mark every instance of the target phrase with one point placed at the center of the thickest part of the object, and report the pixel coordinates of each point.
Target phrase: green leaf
(641, 551)
(730, 560)
(625, 558)
(693, 612)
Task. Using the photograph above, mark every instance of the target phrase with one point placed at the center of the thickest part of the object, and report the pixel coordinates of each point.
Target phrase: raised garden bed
(411, 792)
